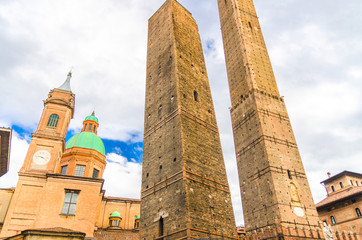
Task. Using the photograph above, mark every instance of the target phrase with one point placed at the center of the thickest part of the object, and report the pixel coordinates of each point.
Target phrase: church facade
(60, 184)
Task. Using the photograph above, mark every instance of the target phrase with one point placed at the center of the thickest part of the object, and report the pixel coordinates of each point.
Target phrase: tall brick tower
(185, 192)
(276, 197)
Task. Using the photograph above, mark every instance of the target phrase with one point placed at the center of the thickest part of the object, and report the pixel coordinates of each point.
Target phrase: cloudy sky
(315, 48)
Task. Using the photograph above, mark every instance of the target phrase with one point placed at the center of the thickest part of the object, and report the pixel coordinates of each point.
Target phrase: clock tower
(47, 143)
(40, 188)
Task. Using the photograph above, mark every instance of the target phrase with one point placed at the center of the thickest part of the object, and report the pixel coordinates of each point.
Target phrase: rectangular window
(90, 127)
(79, 170)
(95, 173)
(64, 169)
(70, 202)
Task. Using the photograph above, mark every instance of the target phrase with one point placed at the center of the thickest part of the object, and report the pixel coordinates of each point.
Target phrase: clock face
(41, 157)
(299, 212)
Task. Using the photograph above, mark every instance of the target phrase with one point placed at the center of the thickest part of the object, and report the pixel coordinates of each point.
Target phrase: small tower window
(333, 220)
(64, 170)
(53, 121)
(79, 170)
(90, 127)
(333, 189)
(95, 173)
(341, 184)
(160, 227)
(85, 127)
(289, 174)
(358, 212)
(196, 96)
(94, 128)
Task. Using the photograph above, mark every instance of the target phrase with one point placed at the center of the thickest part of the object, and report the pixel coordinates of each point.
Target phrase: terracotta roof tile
(339, 196)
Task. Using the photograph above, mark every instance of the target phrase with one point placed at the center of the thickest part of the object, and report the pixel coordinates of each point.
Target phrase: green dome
(138, 216)
(86, 140)
(116, 214)
(92, 118)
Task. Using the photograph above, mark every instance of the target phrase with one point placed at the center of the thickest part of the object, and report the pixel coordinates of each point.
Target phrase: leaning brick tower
(277, 201)
(185, 192)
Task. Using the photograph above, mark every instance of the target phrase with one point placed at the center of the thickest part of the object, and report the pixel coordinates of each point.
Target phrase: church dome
(86, 140)
(88, 137)
(116, 214)
(92, 118)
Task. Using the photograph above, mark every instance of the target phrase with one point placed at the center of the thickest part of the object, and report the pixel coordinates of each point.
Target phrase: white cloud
(122, 177)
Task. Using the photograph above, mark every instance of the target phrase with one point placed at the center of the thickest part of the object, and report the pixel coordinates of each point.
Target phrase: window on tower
(160, 227)
(70, 201)
(64, 170)
(95, 173)
(341, 184)
(358, 212)
(333, 220)
(79, 170)
(53, 121)
(90, 127)
(196, 96)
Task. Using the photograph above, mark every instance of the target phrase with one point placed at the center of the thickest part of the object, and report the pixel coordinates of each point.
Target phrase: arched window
(341, 184)
(358, 212)
(333, 189)
(294, 192)
(333, 220)
(53, 121)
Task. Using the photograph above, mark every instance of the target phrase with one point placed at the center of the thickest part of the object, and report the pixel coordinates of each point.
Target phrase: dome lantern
(90, 124)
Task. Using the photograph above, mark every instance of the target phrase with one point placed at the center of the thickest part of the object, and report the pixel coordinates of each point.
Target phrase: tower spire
(66, 85)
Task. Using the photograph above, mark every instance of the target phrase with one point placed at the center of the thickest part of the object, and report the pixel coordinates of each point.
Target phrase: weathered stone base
(279, 232)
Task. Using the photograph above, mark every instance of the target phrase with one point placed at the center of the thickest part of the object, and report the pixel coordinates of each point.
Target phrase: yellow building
(60, 184)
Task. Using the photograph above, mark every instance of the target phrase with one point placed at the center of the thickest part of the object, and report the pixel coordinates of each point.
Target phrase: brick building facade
(343, 205)
(60, 184)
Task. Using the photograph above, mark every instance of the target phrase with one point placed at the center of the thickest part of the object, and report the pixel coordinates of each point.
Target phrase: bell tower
(277, 201)
(47, 143)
